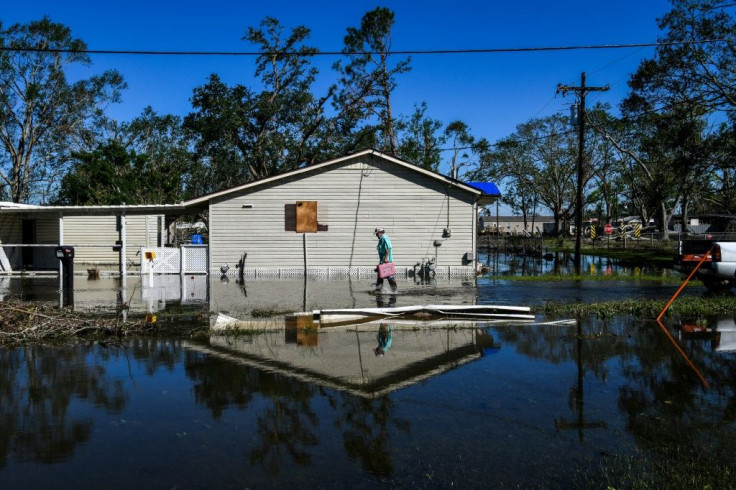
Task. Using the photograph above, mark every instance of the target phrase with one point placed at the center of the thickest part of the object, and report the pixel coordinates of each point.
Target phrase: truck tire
(718, 285)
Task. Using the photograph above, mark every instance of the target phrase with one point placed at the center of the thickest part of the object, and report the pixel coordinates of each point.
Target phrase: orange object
(690, 328)
(705, 257)
(306, 216)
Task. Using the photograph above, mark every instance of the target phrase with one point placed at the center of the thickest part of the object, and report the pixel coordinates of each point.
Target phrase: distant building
(514, 225)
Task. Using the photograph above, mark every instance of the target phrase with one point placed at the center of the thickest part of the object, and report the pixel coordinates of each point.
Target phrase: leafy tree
(168, 151)
(718, 189)
(42, 114)
(108, 175)
(146, 161)
(511, 162)
(697, 63)
(221, 143)
(363, 98)
(421, 140)
(466, 150)
(245, 135)
(667, 154)
(608, 187)
(674, 96)
(538, 162)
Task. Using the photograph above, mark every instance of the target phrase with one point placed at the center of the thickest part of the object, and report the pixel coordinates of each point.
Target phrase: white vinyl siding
(91, 236)
(353, 198)
(84, 231)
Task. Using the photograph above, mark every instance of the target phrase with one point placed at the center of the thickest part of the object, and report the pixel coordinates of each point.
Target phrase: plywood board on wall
(306, 216)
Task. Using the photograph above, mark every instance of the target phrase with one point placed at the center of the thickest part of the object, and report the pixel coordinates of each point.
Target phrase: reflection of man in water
(385, 302)
(385, 335)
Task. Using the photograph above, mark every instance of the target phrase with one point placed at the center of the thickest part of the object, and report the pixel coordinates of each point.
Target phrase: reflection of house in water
(177, 289)
(344, 358)
(4, 287)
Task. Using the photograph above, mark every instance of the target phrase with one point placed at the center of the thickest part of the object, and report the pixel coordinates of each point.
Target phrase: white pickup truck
(718, 271)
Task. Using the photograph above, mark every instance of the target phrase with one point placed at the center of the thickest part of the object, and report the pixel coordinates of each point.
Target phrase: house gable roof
(206, 198)
(102, 210)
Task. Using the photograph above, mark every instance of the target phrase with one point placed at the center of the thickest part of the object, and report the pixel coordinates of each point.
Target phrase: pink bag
(385, 270)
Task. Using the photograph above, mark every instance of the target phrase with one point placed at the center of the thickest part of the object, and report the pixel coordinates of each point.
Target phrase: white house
(320, 219)
(317, 220)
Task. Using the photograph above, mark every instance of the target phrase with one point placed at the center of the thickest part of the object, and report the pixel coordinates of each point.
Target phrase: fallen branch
(22, 322)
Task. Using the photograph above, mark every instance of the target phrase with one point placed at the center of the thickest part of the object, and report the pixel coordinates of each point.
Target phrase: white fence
(187, 259)
(167, 289)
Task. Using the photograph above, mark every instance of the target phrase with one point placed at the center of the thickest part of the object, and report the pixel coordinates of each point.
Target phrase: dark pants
(391, 281)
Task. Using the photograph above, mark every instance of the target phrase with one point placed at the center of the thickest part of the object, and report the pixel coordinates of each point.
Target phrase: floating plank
(487, 315)
(367, 314)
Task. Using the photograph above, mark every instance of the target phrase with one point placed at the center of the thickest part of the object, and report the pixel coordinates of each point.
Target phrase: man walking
(385, 254)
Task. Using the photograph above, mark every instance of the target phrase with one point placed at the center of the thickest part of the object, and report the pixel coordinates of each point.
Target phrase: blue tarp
(487, 187)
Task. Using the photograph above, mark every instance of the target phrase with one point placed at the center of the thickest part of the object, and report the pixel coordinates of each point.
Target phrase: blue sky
(492, 93)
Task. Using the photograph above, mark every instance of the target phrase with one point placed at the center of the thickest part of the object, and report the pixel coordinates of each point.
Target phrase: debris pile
(23, 321)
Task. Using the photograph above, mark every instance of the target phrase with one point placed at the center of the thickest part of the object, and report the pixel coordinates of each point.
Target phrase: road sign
(608, 228)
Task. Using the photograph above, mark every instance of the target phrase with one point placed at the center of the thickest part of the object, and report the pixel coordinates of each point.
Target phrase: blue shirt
(385, 336)
(384, 244)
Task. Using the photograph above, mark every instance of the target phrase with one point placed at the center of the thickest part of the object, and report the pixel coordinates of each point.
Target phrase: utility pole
(581, 91)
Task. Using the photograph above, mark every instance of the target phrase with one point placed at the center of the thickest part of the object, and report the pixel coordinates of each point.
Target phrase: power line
(350, 53)
(508, 140)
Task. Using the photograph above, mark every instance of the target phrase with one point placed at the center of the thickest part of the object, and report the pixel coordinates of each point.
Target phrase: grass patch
(662, 254)
(716, 305)
(268, 312)
(677, 465)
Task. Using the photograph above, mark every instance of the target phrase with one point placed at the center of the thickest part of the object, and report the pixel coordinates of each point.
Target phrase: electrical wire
(528, 140)
(350, 53)
(545, 105)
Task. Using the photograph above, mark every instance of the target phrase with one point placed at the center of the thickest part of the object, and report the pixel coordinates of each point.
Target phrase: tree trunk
(685, 206)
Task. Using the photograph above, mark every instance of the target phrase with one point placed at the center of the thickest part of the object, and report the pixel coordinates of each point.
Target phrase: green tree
(466, 151)
(366, 83)
(421, 139)
(689, 82)
(719, 187)
(696, 64)
(511, 162)
(537, 161)
(667, 155)
(146, 161)
(607, 184)
(169, 155)
(42, 114)
(108, 175)
(245, 135)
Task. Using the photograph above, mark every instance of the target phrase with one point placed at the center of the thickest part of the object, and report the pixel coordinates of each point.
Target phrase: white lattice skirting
(340, 272)
(187, 259)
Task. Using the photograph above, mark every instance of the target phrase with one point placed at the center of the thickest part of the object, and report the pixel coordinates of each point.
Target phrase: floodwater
(541, 404)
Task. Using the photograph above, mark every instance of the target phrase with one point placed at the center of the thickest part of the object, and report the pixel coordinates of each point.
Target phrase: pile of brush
(23, 321)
